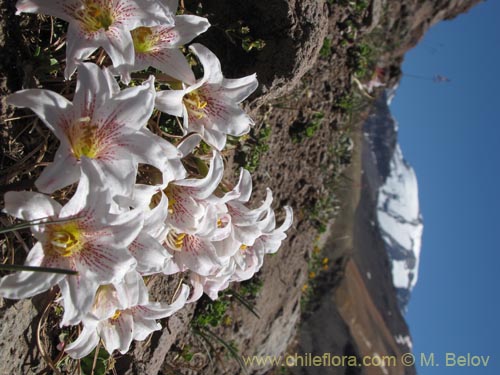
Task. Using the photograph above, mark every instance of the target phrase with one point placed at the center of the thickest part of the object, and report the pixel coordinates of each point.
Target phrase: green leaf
(100, 365)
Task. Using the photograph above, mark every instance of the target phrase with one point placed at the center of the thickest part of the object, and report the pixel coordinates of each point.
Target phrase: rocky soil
(306, 83)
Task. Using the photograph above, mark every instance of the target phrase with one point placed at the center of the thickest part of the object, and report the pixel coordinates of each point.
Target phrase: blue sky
(450, 134)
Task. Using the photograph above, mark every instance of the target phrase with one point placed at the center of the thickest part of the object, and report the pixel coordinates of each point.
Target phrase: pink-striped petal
(104, 264)
(63, 171)
(198, 255)
(51, 107)
(116, 334)
(129, 110)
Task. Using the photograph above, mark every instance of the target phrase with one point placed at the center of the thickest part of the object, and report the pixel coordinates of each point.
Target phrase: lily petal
(51, 8)
(211, 64)
(198, 255)
(171, 62)
(78, 49)
(144, 327)
(92, 88)
(51, 107)
(84, 344)
(130, 109)
(151, 256)
(28, 205)
(240, 88)
(170, 101)
(119, 46)
(27, 284)
(78, 293)
(187, 27)
(202, 188)
(117, 334)
(63, 171)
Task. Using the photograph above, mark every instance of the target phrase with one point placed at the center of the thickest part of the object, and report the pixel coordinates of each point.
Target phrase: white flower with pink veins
(87, 239)
(102, 124)
(121, 313)
(101, 23)
(210, 106)
(158, 47)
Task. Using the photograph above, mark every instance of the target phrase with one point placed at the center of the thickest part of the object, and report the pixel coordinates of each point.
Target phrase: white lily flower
(147, 248)
(189, 200)
(92, 241)
(101, 124)
(100, 23)
(159, 47)
(211, 285)
(245, 226)
(250, 258)
(194, 222)
(122, 313)
(210, 106)
(245, 223)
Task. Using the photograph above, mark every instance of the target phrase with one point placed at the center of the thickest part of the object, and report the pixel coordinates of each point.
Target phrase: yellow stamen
(144, 39)
(63, 240)
(95, 16)
(84, 139)
(195, 104)
(116, 315)
(175, 240)
(169, 192)
(171, 203)
(243, 247)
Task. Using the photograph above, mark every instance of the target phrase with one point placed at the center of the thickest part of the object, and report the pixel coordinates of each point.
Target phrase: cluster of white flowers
(113, 231)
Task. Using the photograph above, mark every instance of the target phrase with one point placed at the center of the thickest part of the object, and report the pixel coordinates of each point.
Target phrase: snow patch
(400, 221)
(404, 340)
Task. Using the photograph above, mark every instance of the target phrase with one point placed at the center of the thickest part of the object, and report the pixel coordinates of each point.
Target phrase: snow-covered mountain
(401, 224)
(396, 188)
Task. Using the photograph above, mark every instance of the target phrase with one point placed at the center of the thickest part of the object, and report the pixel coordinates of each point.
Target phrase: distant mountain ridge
(401, 225)
(398, 212)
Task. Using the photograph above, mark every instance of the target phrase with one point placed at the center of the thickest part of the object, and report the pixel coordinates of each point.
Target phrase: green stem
(15, 267)
(29, 224)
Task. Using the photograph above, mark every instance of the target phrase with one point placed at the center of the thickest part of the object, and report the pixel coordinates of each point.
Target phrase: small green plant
(299, 131)
(364, 61)
(251, 288)
(326, 48)
(186, 353)
(358, 6)
(241, 32)
(345, 102)
(211, 313)
(253, 149)
(96, 363)
(317, 263)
